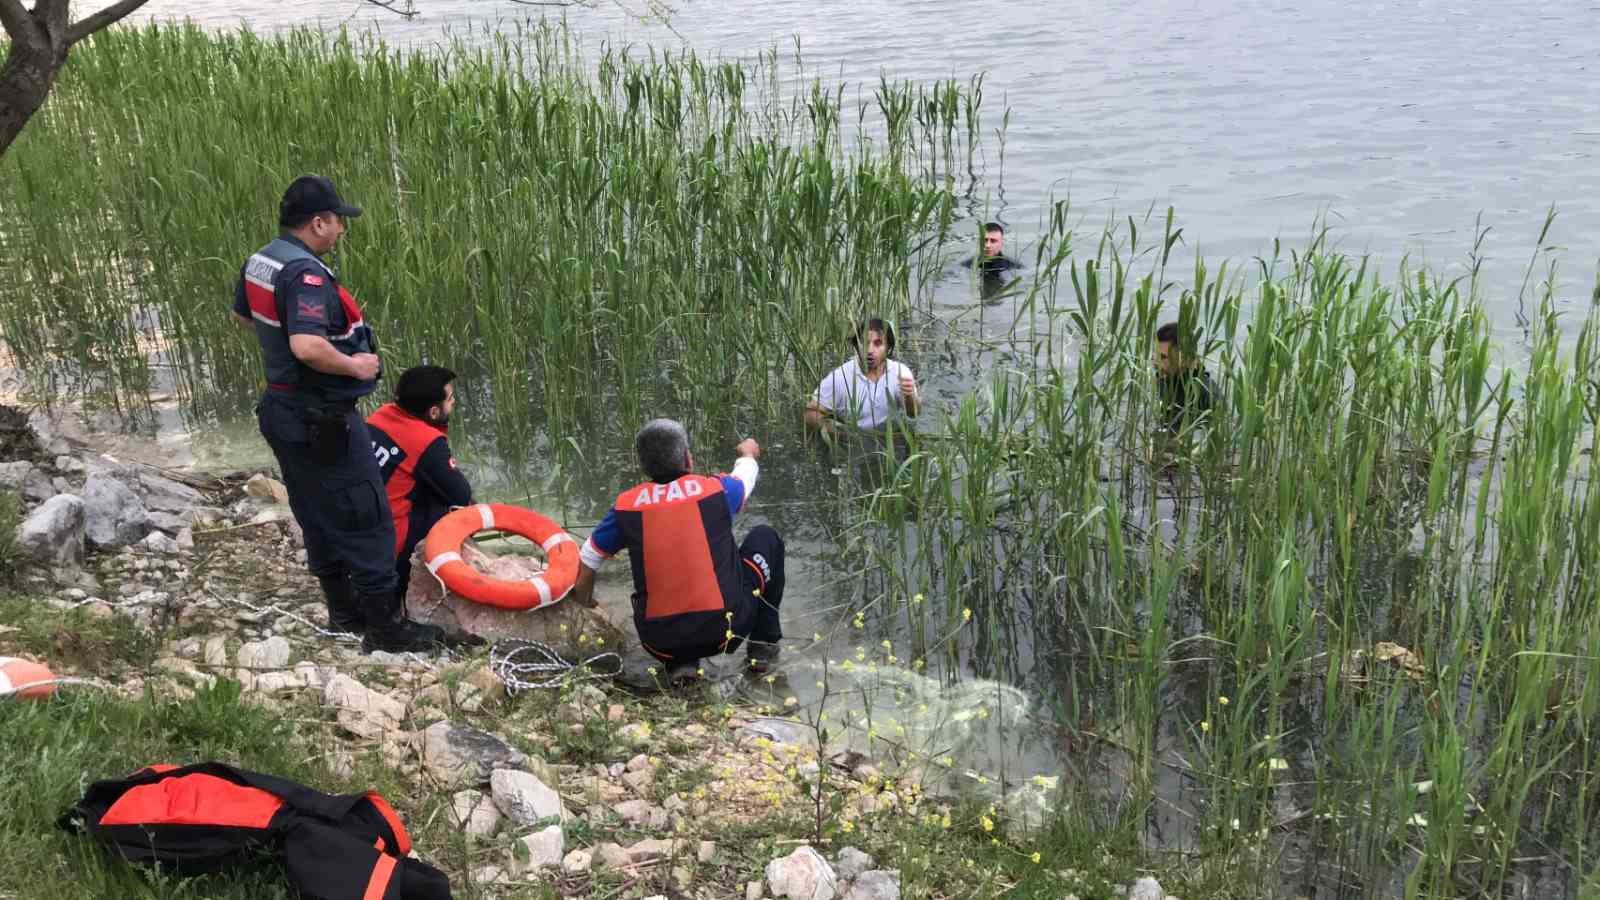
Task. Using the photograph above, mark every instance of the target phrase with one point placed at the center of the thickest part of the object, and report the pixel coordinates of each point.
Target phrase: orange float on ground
(442, 550)
(21, 678)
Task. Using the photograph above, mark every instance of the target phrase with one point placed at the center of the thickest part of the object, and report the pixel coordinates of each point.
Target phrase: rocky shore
(173, 583)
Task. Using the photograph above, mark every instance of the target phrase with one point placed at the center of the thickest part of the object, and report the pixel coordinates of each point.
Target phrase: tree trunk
(40, 38)
(25, 80)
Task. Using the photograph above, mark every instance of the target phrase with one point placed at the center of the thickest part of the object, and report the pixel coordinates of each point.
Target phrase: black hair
(663, 448)
(421, 388)
(1167, 333)
(993, 226)
(878, 325)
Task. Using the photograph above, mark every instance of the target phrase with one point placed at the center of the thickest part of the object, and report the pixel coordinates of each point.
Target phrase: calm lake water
(1401, 123)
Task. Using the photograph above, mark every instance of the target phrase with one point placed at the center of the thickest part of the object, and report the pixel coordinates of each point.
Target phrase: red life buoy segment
(21, 678)
(442, 549)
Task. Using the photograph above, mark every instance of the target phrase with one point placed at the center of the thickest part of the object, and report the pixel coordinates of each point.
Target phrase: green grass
(56, 749)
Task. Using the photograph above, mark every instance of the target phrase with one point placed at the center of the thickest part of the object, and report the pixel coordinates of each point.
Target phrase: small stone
(475, 813)
(802, 875)
(53, 534)
(640, 780)
(577, 862)
(654, 848)
(363, 711)
(753, 890)
(615, 713)
(612, 856)
(706, 852)
(852, 862)
(876, 884)
(489, 875)
(215, 651)
(264, 488)
(272, 653)
(310, 675)
(277, 682)
(524, 798)
(1146, 888)
(635, 734)
(638, 763)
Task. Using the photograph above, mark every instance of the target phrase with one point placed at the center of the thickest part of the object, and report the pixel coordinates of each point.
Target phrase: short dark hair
(422, 387)
(663, 448)
(1167, 333)
(878, 325)
(993, 226)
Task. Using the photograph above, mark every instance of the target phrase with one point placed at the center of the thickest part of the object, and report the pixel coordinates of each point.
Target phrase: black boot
(344, 613)
(388, 630)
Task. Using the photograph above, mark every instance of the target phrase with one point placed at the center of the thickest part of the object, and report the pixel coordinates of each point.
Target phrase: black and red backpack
(207, 816)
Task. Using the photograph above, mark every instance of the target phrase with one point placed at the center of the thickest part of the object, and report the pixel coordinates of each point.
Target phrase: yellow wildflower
(987, 823)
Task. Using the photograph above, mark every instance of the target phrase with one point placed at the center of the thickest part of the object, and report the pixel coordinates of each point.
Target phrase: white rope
(522, 665)
(341, 636)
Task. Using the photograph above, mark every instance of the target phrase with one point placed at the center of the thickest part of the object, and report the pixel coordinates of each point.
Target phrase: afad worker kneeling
(696, 593)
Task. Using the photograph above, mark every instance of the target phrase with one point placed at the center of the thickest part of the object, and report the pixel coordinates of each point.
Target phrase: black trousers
(337, 497)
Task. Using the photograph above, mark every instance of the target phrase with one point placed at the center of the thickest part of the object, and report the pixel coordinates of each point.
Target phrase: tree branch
(15, 19)
(102, 19)
(409, 12)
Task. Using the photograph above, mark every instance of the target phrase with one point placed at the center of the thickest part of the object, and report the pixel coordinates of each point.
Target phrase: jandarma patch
(313, 280)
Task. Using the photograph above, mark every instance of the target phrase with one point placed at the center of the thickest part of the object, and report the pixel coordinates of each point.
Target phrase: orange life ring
(442, 550)
(21, 678)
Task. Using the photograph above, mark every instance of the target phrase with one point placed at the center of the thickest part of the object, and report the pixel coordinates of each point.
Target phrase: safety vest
(204, 817)
(261, 273)
(686, 575)
(399, 442)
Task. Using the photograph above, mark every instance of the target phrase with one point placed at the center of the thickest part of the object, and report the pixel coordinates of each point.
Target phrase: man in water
(992, 263)
(410, 440)
(696, 594)
(869, 388)
(1181, 381)
(321, 357)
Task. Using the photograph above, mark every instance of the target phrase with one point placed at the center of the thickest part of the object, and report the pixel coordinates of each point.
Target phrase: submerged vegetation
(1341, 634)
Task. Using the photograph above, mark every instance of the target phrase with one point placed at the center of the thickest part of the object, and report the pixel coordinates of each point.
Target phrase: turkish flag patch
(313, 280)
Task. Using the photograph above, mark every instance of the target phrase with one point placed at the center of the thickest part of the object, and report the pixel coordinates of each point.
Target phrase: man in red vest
(695, 592)
(420, 475)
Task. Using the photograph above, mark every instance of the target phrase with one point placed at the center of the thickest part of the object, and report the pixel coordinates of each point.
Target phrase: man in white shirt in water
(869, 388)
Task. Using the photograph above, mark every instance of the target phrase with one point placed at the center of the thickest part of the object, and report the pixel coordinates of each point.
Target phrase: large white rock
(52, 534)
(802, 875)
(559, 625)
(363, 711)
(114, 516)
(876, 884)
(460, 756)
(524, 798)
(544, 849)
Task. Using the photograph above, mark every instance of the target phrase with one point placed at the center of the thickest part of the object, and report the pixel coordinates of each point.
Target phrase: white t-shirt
(847, 393)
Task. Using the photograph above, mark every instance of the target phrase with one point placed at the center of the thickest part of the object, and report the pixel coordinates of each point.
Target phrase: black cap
(312, 194)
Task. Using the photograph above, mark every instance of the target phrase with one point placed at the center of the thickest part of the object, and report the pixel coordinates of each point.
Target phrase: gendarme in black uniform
(310, 421)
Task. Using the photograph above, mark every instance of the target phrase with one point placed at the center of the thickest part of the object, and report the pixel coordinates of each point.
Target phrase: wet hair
(422, 387)
(663, 448)
(1169, 333)
(878, 325)
(993, 226)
